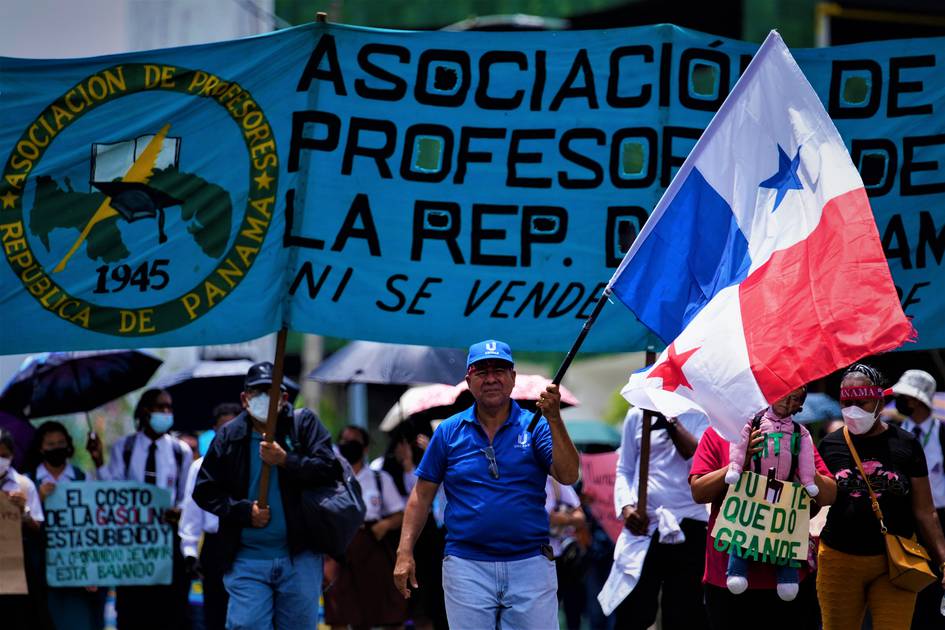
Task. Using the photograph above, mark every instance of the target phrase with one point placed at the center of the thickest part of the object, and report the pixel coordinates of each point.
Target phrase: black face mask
(56, 456)
(352, 450)
(904, 406)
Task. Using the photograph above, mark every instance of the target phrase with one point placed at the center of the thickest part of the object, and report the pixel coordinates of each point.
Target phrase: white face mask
(5, 465)
(858, 420)
(259, 407)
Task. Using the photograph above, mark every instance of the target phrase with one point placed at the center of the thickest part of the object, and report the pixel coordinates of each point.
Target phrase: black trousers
(571, 596)
(926, 615)
(215, 601)
(29, 612)
(677, 570)
(159, 606)
(762, 608)
(215, 598)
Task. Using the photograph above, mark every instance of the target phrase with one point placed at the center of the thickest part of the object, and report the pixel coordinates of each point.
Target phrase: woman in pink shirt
(760, 601)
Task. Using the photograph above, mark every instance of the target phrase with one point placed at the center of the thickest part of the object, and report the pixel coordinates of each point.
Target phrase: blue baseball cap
(489, 349)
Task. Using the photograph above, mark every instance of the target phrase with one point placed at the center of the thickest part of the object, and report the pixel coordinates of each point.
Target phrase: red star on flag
(670, 370)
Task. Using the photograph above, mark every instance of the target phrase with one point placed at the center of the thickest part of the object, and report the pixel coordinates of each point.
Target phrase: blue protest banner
(416, 187)
(107, 534)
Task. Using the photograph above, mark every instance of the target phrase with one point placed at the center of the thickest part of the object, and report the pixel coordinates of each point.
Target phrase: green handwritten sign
(107, 533)
(764, 524)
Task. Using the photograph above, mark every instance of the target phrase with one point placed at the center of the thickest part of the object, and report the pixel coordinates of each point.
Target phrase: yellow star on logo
(9, 199)
(263, 181)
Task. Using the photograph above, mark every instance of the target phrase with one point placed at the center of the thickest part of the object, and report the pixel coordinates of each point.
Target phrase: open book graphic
(111, 161)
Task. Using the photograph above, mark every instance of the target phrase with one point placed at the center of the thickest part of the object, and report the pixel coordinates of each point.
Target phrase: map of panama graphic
(206, 211)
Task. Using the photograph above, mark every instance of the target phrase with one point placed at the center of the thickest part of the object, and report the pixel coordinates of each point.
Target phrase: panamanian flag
(761, 267)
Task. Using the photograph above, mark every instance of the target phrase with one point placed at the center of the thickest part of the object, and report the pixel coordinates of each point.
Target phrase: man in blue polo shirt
(498, 570)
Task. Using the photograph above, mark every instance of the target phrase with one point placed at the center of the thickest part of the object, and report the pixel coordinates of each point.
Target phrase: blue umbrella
(818, 407)
(587, 432)
(57, 383)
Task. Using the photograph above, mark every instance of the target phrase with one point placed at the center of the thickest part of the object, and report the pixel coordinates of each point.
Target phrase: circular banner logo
(121, 256)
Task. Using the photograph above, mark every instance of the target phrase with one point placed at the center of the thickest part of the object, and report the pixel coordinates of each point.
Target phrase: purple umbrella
(22, 436)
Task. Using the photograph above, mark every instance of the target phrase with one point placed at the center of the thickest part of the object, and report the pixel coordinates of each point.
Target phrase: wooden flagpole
(645, 448)
(574, 350)
(275, 390)
(275, 397)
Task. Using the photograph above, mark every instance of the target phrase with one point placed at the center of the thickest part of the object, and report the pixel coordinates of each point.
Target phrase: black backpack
(333, 513)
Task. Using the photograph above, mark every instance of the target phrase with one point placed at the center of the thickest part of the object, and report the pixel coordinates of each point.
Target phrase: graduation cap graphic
(128, 195)
(136, 200)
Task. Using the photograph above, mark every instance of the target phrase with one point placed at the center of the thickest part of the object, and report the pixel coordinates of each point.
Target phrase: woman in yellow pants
(848, 584)
(853, 571)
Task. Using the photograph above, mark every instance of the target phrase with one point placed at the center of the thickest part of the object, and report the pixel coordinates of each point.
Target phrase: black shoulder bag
(333, 513)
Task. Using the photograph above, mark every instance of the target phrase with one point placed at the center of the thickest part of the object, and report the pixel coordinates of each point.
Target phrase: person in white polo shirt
(200, 560)
(914, 393)
(661, 550)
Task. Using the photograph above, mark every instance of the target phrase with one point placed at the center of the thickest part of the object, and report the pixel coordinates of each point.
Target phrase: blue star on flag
(786, 178)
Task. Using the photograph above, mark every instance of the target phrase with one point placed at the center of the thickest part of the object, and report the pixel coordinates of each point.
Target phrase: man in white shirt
(914, 393)
(669, 564)
(196, 522)
(152, 456)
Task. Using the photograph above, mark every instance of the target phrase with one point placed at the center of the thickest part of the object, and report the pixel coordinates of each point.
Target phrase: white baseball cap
(918, 384)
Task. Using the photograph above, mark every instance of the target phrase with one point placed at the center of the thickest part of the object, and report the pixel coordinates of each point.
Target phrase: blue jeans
(281, 593)
(514, 595)
(739, 567)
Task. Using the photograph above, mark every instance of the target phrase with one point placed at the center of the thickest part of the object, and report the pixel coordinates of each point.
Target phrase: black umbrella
(391, 364)
(198, 389)
(56, 383)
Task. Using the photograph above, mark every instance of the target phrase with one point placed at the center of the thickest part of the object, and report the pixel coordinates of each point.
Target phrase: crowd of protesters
(846, 581)
(477, 524)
